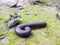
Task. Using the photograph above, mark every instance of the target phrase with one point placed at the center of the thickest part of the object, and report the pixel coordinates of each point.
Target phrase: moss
(39, 36)
(49, 2)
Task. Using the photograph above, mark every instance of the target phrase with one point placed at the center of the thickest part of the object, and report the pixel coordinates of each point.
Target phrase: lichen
(46, 36)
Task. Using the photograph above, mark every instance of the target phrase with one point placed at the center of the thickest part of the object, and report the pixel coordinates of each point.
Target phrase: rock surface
(2, 36)
(19, 3)
(12, 23)
(9, 3)
(24, 3)
(13, 20)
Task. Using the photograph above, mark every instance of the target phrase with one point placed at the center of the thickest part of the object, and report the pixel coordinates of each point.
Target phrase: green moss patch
(47, 36)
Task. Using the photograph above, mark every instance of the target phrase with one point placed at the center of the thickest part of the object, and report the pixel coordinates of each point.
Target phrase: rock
(23, 3)
(20, 2)
(58, 16)
(15, 15)
(2, 36)
(12, 23)
(5, 41)
(20, 8)
(3, 7)
(9, 3)
(37, 3)
(58, 5)
(15, 3)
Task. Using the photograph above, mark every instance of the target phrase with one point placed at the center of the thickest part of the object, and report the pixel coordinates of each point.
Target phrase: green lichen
(46, 36)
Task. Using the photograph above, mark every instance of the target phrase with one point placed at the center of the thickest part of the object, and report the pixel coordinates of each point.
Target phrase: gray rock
(58, 16)
(20, 2)
(2, 36)
(23, 3)
(12, 23)
(9, 3)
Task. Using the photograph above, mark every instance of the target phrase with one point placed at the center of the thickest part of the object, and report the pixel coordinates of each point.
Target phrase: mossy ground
(46, 36)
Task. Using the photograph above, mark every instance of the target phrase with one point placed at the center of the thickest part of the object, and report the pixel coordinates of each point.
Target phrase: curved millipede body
(24, 30)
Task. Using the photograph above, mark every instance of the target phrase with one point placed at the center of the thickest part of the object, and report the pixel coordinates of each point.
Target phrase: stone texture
(9, 3)
(12, 23)
(23, 3)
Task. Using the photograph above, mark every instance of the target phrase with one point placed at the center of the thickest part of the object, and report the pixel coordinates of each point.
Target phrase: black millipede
(24, 30)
